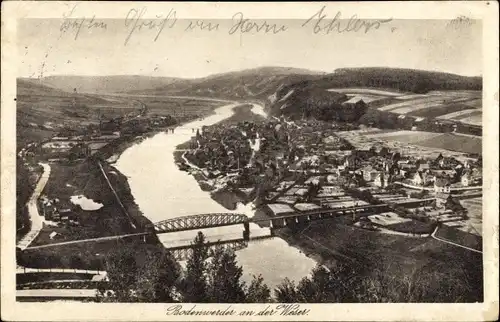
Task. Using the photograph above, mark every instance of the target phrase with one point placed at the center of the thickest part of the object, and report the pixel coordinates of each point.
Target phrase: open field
(439, 109)
(476, 103)
(163, 105)
(82, 179)
(416, 143)
(473, 118)
(459, 114)
(404, 136)
(474, 208)
(440, 104)
(43, 111)
(445, 141)
(413, 102)
(368, 91)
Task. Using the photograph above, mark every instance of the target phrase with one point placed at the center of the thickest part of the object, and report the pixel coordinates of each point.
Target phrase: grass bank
(442, 272)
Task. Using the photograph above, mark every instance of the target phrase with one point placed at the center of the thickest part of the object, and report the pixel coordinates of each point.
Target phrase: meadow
(456, 105)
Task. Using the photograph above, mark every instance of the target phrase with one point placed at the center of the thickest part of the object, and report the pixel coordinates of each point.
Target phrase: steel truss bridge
(202, 221)
(199, 222)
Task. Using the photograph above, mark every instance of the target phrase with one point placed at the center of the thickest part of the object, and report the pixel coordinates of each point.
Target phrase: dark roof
(441, 182)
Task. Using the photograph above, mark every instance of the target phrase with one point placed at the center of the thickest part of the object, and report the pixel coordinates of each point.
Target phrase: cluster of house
(64, 148)
(382, 167)
(53, 210)
(444, 173)
(270, 148)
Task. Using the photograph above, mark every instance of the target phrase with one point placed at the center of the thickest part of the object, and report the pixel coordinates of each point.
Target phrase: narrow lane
(433, 235)
(98, 239)
(35, 217)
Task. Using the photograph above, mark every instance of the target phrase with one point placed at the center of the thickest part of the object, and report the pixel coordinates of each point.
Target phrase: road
(98, 239)
(406, 185)
(25, 270)
(433, 235)
(35, 218)
(56, 293)
(116, 195)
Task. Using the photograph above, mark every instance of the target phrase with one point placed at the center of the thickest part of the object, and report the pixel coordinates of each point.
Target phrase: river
(162, 191)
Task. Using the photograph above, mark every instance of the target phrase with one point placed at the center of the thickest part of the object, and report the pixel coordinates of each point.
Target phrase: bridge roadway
(203, 221)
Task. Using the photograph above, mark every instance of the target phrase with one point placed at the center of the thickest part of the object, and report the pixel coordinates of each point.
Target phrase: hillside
(272, 84)
(104, 84)
(42, 110)
(294, 92)
(378, 87)
(28, 87)
(251, 83)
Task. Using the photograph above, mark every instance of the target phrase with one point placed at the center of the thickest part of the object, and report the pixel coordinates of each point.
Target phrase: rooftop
(278, 208)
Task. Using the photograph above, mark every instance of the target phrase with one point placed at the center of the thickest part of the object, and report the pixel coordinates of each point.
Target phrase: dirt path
(433, 235)
(35, 217)
(98, 239)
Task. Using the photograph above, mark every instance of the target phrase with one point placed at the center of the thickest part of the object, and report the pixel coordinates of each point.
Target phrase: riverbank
(331, 242)
(118, 214)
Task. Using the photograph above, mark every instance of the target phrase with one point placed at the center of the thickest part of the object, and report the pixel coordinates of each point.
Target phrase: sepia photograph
(204, 164)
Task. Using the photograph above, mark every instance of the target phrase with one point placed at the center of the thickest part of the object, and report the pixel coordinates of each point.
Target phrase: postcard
(311, 161)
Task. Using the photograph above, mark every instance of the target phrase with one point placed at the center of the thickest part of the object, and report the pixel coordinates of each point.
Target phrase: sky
(434, 45)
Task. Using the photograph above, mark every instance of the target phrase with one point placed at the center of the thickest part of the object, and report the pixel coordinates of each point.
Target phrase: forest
(403, 80)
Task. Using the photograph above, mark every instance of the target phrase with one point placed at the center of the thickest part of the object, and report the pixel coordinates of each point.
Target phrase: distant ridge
(103, 84)
(261, 82)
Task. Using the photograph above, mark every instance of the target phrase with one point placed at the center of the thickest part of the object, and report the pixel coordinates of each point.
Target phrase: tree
(194, 285)
(158, 277)
(121, 267)
(258, 292)
(225, 285)
(454, 205)
(286, 292)
(318, 288)
(383, 152)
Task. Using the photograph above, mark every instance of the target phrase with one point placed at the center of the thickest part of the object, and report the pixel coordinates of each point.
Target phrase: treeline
(306, 102)
(151, 274)
(404, 80)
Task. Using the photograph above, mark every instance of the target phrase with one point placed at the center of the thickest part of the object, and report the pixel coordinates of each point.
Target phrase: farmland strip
(459, 114)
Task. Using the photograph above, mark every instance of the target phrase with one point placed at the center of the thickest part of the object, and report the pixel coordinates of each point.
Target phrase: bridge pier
(150, 238)
(246, 231)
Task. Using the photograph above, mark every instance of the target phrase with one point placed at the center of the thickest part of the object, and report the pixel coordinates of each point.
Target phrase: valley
(392, 166)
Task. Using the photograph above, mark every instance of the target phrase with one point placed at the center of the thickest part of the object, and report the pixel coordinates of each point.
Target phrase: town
(288, 166)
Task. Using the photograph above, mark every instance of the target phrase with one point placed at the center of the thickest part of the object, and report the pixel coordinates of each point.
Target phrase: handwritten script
(461, 22)
(269, 310)
(75, 25)
(354, 24)
(137, 24)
